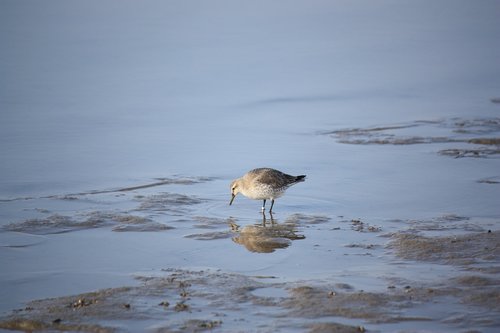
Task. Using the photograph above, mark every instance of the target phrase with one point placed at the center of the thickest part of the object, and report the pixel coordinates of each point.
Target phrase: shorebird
(263, 184)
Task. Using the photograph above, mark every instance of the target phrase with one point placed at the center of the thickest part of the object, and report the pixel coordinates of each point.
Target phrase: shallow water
(120, 134)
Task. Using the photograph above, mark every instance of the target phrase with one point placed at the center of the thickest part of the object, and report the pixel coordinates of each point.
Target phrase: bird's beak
(232, 198)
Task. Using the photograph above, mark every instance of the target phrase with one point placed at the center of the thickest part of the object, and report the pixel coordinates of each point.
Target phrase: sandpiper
(263, 184)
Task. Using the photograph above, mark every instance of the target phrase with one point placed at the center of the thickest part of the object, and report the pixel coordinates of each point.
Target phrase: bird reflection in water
(267, 236)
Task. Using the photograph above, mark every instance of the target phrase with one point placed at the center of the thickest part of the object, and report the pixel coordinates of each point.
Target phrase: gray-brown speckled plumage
(263, 184)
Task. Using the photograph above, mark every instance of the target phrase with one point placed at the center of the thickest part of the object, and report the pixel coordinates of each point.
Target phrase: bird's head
(235, 189)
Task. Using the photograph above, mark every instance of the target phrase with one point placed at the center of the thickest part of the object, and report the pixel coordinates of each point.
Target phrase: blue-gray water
(105, 95)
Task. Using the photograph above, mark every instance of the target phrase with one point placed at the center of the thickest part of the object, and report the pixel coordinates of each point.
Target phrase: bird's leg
(264, 205)
(272, 218)
(272, 204)
(264, 219)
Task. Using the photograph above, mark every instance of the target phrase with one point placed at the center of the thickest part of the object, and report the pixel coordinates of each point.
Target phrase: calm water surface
(123, 123)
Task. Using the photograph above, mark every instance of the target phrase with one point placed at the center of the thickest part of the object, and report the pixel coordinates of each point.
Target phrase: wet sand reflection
(267, 235)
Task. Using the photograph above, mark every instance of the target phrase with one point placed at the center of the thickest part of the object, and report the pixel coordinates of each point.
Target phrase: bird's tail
(300, 178)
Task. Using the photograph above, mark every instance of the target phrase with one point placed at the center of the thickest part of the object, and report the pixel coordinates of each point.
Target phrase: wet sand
(194, 301)
(457, 258)
(123, 123)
